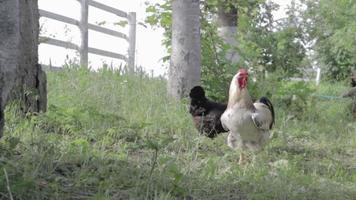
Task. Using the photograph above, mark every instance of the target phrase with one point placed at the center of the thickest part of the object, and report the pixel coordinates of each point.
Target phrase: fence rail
(84, 26)
(107, 8)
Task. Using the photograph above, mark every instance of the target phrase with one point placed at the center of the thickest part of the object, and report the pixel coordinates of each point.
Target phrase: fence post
(132, 41)
(83, 51)
(317, 79)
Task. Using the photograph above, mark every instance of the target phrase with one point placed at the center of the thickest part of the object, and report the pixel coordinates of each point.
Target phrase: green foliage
(263, 44)
(216, 71)
(295, 97)
(266, 44)
(213, 48)
(161, 16)
(331, 28)
(112, 136)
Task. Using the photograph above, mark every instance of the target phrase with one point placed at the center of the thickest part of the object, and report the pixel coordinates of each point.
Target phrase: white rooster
(249, 123)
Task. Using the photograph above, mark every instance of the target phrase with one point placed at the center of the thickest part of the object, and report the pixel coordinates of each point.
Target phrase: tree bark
(227, 30)
(21, 77)
(184, 71)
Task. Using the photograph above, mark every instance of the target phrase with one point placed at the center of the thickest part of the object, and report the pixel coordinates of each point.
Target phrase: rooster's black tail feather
(268, 103)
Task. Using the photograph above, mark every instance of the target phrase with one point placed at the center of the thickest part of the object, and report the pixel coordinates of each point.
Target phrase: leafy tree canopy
(320, 33)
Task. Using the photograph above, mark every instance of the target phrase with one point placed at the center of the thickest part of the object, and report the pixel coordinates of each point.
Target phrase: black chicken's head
(353, 81)
(197, 92)
(197, 101)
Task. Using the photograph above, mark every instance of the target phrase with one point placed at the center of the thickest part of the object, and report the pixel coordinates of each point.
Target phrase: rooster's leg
(231, 141)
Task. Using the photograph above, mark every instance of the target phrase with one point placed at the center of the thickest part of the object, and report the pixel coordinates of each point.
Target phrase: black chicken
(206, 114)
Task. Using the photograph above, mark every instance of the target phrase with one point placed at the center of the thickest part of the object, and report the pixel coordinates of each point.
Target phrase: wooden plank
(132, 41)
(69, 45)
(58, 17)
(107, 31)
(84, 26)
(107, 53)
(68, 20)
(84, 33)
(318, 74)
(106, 8)
(51, 68)
(60, 43)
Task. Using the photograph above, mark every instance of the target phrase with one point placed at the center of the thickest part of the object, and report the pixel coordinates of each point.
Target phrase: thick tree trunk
(184, 71)
(21, 77)
(227, 30)
(2, 120)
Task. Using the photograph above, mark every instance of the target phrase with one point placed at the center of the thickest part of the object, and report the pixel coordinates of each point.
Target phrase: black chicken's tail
(197, 92)
(268, 103)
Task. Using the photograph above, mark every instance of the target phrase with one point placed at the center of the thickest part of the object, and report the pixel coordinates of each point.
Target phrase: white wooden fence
(84, 26)
(316, 71)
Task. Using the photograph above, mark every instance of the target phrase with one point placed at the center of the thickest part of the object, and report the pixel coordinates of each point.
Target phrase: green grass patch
(112, 136)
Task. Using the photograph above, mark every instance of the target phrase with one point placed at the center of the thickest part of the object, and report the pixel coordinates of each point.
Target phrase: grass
(111, 136)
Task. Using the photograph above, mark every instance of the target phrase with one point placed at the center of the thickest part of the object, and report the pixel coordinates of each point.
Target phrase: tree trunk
(227, 30)
(184, 71)
(21, 77)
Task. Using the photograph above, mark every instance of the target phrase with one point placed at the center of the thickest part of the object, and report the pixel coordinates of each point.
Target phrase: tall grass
(112, 136)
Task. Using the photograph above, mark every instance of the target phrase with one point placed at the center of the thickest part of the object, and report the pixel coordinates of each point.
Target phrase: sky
(149, 51)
